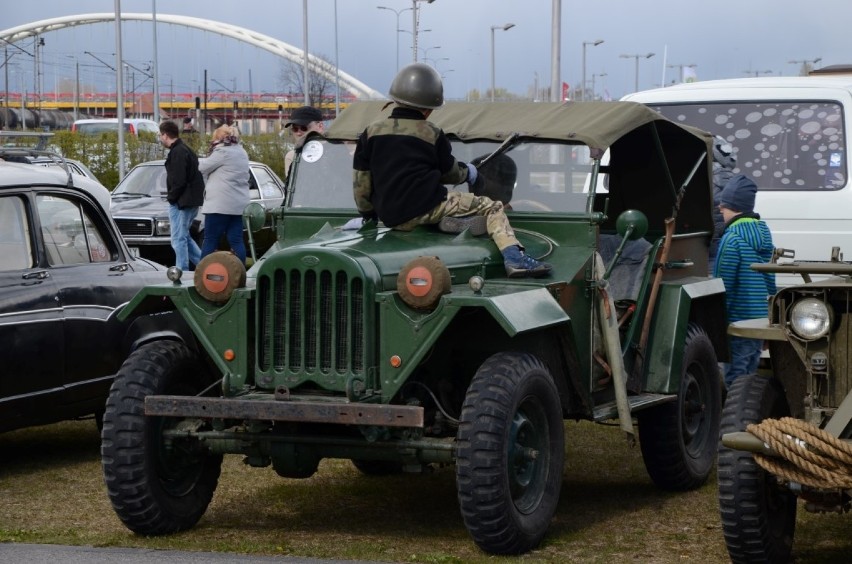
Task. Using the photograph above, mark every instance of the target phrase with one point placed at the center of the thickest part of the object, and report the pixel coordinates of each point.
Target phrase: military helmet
(418, 85)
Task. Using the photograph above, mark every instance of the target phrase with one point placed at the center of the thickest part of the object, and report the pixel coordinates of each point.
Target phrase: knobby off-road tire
(758, 516)
(679, 439)
(155, 490)
(510, 454)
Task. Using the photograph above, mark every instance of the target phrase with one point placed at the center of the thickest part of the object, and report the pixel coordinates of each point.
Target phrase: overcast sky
(723, 39)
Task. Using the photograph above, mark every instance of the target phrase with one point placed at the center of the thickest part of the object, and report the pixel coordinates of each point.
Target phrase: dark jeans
(745, 356)
(218, 224)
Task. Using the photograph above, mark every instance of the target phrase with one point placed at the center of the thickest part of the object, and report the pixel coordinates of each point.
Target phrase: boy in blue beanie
(746, 240)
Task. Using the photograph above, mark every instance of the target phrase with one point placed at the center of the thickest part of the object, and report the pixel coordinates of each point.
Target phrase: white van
(790, 135)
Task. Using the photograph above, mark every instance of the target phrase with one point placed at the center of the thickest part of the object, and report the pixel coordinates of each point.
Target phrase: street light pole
(416, 21)
(757, 72)
(680, 69)
(806, 68)
(637, 57)
(603, 74)
(594, 43)
(156, 69)
(397, 12)
(427, 49)
(504, 27)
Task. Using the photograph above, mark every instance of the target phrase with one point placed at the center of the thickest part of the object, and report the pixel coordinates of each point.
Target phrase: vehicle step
(609, 410)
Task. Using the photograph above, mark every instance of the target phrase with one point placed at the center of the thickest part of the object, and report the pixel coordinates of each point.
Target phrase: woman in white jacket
(226, 180)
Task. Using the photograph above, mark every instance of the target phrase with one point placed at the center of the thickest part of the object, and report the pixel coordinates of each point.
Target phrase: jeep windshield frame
(643, 159)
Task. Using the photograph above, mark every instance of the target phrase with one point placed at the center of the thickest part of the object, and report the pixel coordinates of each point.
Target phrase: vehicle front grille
(138, 227)
(310, 321)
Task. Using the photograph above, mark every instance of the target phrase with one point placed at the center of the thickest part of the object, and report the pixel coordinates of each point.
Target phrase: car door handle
(36, 275)
(123, 267)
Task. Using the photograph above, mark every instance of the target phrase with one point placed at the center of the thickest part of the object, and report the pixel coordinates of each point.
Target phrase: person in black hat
(746, 241)
(303, 121)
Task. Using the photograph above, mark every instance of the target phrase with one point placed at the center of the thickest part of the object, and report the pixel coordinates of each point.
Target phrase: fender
(517, 310)
(677, 305)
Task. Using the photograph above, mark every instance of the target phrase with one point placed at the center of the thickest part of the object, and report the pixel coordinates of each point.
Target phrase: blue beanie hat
(738, 194)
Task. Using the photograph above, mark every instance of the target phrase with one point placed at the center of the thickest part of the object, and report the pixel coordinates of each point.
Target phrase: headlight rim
(825, 323)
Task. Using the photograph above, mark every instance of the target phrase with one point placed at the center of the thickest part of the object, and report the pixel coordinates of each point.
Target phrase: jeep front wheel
(758, 515)
(510, 453)
(679, 439)
(155, 487)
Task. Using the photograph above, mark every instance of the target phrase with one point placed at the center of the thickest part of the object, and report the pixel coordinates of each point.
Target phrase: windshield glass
(785, 145)
(527, 177)
(146, 180)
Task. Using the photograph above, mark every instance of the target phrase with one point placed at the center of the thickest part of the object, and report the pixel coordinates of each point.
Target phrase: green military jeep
(787, 432)
(398, 350)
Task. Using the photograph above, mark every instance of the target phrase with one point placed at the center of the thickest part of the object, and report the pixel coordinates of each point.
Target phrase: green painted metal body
(321, 320)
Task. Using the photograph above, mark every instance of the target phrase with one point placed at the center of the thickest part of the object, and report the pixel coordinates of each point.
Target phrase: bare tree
(320, 73)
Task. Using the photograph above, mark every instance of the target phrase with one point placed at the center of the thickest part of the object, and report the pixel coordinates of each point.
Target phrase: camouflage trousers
(460, 204)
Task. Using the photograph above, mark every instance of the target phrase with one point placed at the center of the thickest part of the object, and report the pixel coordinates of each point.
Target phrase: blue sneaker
(519, 264)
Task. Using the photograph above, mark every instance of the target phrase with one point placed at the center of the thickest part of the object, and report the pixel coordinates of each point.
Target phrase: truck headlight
(810, 318)
(162, 227)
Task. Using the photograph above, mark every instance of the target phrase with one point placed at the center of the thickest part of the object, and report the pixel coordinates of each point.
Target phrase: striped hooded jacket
(747, 240)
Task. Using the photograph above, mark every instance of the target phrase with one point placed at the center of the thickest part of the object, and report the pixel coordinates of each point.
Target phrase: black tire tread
(481, 477)
(660, 434)
(747, 521)
(129, 471)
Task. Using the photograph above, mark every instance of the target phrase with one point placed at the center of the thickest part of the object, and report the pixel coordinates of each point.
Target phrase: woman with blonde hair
(226, 175)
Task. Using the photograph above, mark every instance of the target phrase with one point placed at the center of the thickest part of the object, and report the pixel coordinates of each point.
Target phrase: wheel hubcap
(528, 437)
(694, 413)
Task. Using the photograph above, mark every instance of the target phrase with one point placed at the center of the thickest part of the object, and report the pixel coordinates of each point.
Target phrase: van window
(784, 145)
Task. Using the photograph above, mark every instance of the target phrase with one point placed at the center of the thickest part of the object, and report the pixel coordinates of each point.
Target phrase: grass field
(51, 491)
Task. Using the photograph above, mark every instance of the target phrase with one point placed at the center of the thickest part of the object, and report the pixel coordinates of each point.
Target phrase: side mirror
(631, 224)
(254, 216)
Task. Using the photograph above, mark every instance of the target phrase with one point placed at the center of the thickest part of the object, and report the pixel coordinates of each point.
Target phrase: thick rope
(808, 455)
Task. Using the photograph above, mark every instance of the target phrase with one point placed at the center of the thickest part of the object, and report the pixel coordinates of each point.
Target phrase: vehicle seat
(626, 277)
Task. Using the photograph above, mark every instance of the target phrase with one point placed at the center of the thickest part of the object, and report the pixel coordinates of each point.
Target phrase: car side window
(269, 189)
(15, 242)
(70, 235)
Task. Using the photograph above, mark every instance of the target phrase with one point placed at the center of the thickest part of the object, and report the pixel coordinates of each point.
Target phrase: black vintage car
(65, 273)
(140, 209)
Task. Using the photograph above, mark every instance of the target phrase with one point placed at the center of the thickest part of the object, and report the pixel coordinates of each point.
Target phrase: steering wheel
(530, 203)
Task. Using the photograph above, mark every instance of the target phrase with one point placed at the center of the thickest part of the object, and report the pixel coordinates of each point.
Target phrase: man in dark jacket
(185, 193)
(401, 164)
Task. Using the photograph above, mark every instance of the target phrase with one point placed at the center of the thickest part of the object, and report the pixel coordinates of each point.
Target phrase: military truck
(399, 350)
(787, 431)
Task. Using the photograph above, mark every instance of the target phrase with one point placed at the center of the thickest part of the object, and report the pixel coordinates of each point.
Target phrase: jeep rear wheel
(155, 488)
(679, 439)
(510, 453)
(758, 515)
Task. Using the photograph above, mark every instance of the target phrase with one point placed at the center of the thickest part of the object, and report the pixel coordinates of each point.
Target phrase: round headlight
(810, 319)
